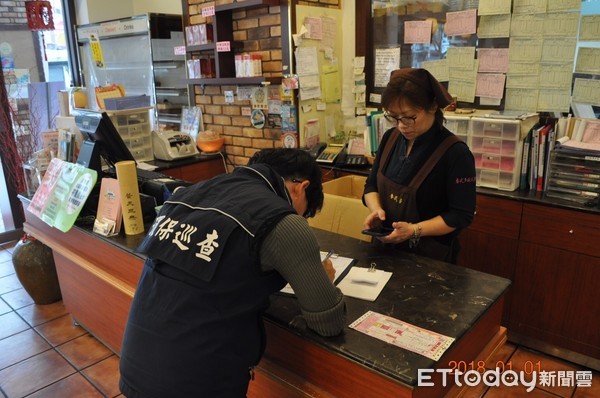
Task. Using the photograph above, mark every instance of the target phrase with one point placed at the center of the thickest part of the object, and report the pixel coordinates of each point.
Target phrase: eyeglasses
(405, 120)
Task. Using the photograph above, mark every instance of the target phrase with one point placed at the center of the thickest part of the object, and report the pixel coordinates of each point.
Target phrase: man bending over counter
(216, 252)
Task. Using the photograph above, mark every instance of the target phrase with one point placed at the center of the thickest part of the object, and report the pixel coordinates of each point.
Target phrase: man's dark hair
(291, 163)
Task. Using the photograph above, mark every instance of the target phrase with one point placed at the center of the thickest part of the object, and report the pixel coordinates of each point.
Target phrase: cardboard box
(343, 211)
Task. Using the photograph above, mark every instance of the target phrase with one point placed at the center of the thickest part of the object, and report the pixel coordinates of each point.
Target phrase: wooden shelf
(237, 81)
(247, 4)
(224, 61)
(201, 47)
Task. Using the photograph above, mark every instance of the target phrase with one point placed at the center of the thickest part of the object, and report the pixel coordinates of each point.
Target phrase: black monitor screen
(101, 140)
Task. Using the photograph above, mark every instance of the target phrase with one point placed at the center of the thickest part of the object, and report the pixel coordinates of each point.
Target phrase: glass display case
(141, 55)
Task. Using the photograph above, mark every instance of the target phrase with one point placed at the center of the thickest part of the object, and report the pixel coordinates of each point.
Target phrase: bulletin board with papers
(318, 64)
(520, 55)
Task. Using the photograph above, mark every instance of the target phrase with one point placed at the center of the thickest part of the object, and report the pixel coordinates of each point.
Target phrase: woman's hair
(417, 88)
(292, 163)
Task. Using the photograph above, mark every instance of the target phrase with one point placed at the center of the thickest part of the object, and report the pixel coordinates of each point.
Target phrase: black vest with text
(195, 321)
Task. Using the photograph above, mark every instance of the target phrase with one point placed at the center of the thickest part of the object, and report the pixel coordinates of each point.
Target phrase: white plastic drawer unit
(135, 127)
(138, 142)
(493, 145)
(504, 129)
(139, 128)
(458, 125)
(129, 116)
(497, 148)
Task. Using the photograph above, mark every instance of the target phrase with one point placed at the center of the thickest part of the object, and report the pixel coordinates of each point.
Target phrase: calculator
(356, 161)
(329, 154)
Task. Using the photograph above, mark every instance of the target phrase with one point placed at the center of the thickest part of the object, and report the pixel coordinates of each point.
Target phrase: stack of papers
(364, 283)
(357, 282)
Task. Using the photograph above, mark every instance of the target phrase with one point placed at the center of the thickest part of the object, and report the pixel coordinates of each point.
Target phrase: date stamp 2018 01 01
(504, 373)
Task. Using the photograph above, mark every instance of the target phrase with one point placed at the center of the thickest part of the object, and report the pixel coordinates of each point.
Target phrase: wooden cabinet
(490, 244)
(97, 278)
(556, 294)
(196, 172)
(552, 257)
(563, 229)
(222, 23)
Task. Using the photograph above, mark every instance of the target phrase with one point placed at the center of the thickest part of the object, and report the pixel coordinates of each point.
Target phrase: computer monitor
(102, 141)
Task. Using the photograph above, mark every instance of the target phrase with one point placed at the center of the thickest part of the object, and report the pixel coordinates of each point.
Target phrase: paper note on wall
(527, 25)
(493, 60)
(561, 24)
(490, 85)
(521, 99)
(438, 68)
(461, 57)
(494, 7)
(463, 82)
(556, 76)
(529, 7)
(311, 132)
(307, 62)
(330, 82)
(557, 50)
(589, 28)
(314, 29)
(554, 100)
(525, 49)
(491, 26)
(587, 91)
(417, 32)
(310, 87)
(588, 60)
(386, 61)
(329, 29)
(461, 23)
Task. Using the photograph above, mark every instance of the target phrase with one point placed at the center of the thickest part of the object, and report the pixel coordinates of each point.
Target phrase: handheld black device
(378, 232)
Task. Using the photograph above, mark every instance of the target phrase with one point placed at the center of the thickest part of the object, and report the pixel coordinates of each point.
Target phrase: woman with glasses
(422, 183)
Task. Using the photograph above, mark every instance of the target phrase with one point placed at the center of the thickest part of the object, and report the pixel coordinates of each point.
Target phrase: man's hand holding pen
(328, 265)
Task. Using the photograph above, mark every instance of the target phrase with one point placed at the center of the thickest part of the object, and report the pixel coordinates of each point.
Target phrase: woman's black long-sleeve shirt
(448, 191)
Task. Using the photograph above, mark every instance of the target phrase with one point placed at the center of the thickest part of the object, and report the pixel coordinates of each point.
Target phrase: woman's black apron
(400, 201)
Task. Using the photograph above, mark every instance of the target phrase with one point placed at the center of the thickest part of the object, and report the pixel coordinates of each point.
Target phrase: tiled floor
(43, 354)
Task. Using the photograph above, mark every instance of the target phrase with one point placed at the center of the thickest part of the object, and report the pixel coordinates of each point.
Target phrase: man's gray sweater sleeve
(292, 250)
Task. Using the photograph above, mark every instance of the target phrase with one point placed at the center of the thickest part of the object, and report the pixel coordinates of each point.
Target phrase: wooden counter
(98, 277)
(193, 169)
(549, 249)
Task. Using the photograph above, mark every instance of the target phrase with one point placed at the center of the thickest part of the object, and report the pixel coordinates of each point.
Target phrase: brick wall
(12, 12)
(260, 31)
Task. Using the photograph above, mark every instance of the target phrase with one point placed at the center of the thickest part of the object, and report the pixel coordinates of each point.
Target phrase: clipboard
(342, 266)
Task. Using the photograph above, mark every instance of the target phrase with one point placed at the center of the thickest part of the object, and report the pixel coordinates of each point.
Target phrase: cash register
(172, 145)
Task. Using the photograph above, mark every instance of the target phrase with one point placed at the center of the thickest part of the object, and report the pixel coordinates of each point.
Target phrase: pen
(331, 253)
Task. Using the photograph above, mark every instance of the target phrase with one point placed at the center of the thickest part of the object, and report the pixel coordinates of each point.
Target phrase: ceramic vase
(34, 266)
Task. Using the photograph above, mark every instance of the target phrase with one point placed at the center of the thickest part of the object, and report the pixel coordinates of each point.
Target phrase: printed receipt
(425, 342)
